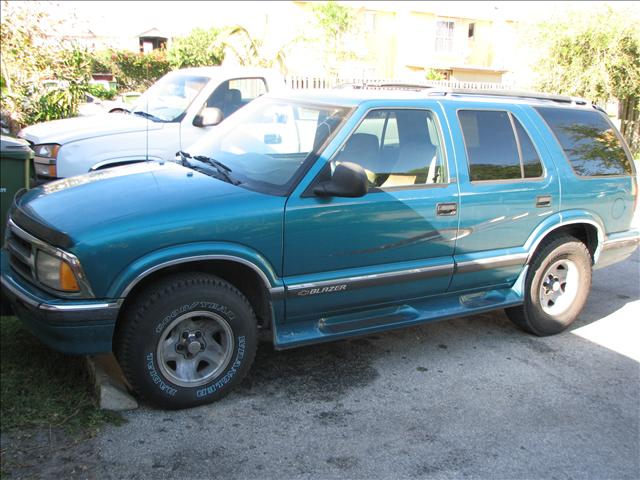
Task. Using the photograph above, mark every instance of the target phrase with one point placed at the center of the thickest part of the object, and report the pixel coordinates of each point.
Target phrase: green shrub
(101, 92)
(198, 49)
(138, 71)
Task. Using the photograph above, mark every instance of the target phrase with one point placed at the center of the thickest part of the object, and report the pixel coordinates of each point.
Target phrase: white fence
(299, 82)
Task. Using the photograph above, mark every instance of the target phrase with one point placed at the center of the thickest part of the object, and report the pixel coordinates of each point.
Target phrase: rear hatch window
(589, 140)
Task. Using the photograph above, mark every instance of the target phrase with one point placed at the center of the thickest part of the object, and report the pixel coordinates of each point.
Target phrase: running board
(289, 335)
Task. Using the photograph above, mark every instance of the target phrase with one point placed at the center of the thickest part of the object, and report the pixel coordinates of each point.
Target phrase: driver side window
(397, 148)
(235, 94)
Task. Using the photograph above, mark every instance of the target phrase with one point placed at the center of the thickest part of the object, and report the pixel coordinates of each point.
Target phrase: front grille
(21, 254)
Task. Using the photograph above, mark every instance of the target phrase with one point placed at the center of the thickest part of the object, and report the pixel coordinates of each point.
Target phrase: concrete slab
(110, 385)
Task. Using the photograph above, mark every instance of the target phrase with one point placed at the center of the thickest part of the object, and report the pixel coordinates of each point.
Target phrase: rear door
(508, 185)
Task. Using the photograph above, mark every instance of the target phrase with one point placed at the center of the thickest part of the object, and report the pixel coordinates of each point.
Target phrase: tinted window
(396, 148)
(588, 140)
(530, 159)
(491, 145)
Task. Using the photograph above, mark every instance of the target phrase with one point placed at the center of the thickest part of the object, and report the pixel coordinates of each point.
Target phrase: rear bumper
(618, 247)
(73, 327)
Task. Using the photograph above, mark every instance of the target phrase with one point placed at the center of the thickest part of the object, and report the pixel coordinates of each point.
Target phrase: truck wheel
(187, 340)
(556, 287)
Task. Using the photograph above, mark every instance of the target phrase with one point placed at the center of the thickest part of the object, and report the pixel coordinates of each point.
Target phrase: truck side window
(397, 148)
(235, 94)
(532, 166)
(491, 146)
(589, 141)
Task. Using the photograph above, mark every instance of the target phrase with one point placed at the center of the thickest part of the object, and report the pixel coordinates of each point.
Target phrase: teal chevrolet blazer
(317, 216)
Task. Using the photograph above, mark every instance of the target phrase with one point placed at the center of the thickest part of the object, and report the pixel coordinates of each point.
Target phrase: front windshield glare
(266, 143)
(169, 97)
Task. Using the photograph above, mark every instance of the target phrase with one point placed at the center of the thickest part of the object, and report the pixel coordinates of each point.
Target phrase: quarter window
(397, 148)
(588, 140)
(493, 150)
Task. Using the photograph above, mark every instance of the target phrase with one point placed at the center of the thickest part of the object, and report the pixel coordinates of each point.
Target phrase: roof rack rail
(511, 94)
(396, 86)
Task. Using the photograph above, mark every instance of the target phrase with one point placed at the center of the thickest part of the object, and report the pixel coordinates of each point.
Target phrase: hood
(138, 197)
(79, 128)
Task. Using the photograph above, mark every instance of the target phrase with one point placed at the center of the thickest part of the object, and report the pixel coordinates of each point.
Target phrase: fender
(159, 259)
(560, 219)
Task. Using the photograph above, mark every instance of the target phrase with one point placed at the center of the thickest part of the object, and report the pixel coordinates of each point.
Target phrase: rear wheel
(187, 340)
(556, 287)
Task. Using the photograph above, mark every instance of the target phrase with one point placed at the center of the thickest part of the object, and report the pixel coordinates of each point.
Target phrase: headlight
(45, 160)
(48, 150)
(55, 273)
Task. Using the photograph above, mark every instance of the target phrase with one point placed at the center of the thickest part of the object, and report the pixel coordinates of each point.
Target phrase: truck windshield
(266, 143)
(169, 97)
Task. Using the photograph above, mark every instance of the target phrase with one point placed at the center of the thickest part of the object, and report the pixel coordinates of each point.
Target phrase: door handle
(446, 209)
(543, 201)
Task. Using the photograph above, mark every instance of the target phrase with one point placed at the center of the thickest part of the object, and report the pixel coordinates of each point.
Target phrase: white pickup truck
(176, 111)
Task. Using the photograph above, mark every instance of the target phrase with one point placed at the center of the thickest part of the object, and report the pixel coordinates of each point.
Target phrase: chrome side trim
(276, 293)
(376, 279)
(516, 259)
(196, 258)
(23, 297)
(84, 307)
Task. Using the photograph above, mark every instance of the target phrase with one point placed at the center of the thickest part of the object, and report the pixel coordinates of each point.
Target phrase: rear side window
(588, 140)
(493, 149)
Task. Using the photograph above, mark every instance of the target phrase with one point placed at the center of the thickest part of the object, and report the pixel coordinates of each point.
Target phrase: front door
(392, 246)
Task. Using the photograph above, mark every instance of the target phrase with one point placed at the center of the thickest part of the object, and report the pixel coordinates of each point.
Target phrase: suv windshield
(169, 97)
(266, 143)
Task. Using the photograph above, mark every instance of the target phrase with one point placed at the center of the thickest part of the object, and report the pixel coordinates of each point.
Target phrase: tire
(556, 287)
(186, 341)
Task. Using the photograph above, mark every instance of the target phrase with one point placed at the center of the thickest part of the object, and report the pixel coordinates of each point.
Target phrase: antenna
(147, 136)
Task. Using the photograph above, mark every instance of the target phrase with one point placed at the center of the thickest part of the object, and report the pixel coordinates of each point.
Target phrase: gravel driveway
(468, 398)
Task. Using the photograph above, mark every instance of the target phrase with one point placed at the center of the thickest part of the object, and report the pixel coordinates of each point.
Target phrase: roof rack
(511, 94)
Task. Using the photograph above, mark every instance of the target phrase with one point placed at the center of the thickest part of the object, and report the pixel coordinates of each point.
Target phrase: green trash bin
(15, 165)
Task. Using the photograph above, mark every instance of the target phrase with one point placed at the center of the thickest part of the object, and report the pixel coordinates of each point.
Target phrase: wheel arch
(585, 227)
(242, 274)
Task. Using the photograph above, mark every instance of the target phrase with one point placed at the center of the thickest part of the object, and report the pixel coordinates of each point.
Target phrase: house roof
(153, 33)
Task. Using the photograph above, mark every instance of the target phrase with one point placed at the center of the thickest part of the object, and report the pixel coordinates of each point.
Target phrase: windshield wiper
(221, 168)
(148, 115)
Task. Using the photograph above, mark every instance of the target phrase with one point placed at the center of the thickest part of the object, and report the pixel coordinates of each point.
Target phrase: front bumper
(73, 327)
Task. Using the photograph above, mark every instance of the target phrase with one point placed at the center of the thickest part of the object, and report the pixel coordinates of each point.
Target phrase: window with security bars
(444, 36)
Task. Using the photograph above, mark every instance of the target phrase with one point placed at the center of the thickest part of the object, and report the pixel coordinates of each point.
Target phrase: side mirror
(348, 180)
(208, 117)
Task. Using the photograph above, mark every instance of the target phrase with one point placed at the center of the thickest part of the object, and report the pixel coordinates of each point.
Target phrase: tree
(597, 57)
(199, 48)
(252, 51)
(28, 57)
(335, 21)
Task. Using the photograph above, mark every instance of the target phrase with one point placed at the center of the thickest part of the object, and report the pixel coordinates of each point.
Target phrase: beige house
(449, 40)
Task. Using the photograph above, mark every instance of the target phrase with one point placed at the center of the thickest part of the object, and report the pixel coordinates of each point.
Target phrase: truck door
(508, 185)
(393, 245)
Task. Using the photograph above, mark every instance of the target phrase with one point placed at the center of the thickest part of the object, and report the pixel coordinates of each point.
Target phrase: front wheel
(187, 340)
(556, 287)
